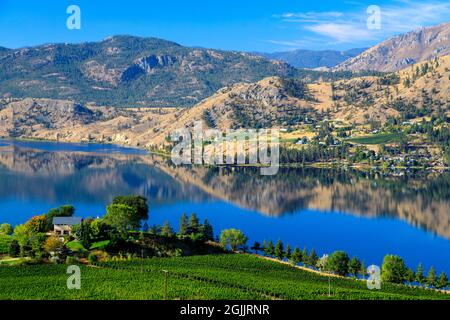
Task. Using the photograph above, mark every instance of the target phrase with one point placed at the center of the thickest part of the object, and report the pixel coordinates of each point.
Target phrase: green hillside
(199, 277)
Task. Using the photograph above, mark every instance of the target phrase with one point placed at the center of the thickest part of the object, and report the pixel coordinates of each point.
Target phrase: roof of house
(69, 221)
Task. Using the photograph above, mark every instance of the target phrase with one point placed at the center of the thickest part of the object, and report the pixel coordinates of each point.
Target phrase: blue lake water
(366, 216)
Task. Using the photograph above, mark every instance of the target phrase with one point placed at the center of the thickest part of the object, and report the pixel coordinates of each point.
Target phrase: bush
(14, 249)
(5, 243)
(98, 255)
(92, 258)
(71, 260)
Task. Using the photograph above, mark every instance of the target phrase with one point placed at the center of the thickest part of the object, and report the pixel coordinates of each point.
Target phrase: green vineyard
(198, 277)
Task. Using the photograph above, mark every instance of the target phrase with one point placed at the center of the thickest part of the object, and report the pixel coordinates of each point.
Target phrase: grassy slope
(199, 277)
(378, 138)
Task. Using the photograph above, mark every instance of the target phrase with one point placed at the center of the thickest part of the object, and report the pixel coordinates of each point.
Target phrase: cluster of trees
(189, 228)
(393, 269)
(30, 239)
(314, 152)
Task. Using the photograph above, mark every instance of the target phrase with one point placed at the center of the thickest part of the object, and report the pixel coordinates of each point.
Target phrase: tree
(183, 231)
(363, 270)
(410, 276)
(322, 262)
(270, 250)
(279, 252)
(14, 249)
(207, 230)
(122, 217)
(233, 238)
(354, 266)
(37, 224)
(393, 269)
(442, 281)
(313, 258)
(287, 252)
(194, 224)
(84, 233)
(305, 256)
(98, 229)
(338, 263)
(420, 278)
(53, 244)
(167, 230)
(256, 247)
(6, 229)
(296, 256)
(431, 277)
(139, 204)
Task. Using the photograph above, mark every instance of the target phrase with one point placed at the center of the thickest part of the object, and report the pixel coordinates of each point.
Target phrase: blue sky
(249, 25)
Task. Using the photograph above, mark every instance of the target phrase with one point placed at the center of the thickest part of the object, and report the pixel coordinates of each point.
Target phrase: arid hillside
(402, 51)
(271, 102)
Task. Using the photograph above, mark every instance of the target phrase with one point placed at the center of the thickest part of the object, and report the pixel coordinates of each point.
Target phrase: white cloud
(341, 32)
(351, 27)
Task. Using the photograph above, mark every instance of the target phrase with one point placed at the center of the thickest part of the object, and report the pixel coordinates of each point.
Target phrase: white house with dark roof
(63, 226)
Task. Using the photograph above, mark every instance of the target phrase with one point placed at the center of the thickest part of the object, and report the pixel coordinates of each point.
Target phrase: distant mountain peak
(311, 59)
(403, 50)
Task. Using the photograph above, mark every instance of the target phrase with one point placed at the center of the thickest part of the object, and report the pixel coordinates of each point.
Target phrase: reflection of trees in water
(418, 198)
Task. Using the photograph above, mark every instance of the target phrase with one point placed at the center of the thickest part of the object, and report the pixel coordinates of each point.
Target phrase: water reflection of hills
(421, 201)
(93, 178)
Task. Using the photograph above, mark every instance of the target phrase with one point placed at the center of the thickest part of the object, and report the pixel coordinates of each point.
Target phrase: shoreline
(318, 165)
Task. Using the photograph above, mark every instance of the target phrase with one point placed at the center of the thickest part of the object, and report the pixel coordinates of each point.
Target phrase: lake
(365, 214)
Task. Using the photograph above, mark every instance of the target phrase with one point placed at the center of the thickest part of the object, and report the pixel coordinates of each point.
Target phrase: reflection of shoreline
(275, 197)
(98, 177)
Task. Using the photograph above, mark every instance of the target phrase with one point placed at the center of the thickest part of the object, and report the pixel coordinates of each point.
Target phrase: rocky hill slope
(401, 51)
(272, 102)
(128, 71)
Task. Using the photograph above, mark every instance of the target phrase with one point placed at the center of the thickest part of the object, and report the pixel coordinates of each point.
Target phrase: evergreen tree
(442, 281)
(431, 277)
(183, 225)
(207, 230)
(305, 256)
(167, 230)
(420, 278)
(296, 256)
(270, 249)
(145, 227)
(256, 247)
(363, 270)
(354, 266)
(287, 252)
(194, 224)
(279, 252)
(313, 258)
(410, 275)
(264, 247)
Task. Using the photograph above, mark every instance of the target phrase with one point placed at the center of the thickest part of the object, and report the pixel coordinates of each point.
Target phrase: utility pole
(165, 284)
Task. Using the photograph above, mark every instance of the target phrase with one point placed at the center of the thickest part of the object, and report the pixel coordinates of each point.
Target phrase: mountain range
(403, 50)
(126, 70)
(311, 59)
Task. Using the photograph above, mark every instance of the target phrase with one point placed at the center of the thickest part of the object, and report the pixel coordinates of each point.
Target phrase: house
(63, 225)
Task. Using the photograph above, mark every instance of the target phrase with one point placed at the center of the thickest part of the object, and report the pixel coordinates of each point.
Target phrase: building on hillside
(63, 226)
